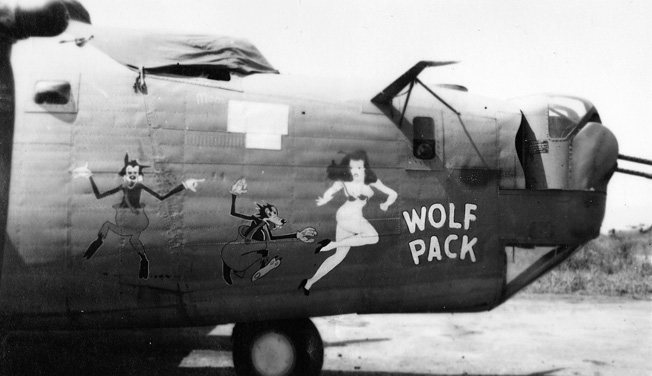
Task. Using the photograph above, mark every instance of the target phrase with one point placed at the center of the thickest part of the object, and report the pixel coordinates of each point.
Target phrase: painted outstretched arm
(188, 184)
(391, 194)
(192, 184)
(238, 188)
(98, 194)
(236, 214)
(85, 172)
(176, 190)
(304, 235)
(330, 192)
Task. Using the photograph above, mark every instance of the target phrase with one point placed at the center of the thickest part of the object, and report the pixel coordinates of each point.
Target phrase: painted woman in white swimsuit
(354, 177)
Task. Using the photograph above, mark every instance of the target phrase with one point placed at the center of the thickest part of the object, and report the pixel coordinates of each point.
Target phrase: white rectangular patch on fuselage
(262, 123)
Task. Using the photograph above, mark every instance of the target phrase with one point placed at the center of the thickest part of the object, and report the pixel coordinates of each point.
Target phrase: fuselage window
(424, 138)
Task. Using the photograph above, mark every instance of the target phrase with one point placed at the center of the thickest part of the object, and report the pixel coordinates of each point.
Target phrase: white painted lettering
(447, 246)
(442, 215)
(435, 250)
(418, 248)
(415, 220)
(451, 216)
(467, 247)
(458, 245)
(468, 216)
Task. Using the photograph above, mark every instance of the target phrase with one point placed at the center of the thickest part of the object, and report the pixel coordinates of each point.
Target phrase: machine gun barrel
(635, 159)
(635, 173)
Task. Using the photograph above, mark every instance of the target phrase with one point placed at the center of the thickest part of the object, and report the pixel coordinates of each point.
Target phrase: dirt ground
(529, 335)
(526, 336)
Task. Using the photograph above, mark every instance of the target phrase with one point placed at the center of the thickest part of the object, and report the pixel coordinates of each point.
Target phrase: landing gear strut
(277, 348)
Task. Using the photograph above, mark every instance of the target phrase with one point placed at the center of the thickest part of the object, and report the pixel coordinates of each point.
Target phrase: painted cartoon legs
(134, 240)
(237, 263)
(351, 233)
(345, 240)
(352, 241)
(328, 265)
(101, 235)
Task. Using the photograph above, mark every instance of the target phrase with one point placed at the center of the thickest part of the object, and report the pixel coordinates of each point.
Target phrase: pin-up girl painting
(354, 177)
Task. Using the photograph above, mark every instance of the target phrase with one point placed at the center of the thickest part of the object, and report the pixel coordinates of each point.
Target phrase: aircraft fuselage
(421, 235)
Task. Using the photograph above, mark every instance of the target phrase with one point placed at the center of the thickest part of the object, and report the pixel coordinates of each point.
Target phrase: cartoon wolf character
(250, 247)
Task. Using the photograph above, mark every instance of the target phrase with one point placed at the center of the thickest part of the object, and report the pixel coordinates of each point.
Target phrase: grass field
(618, 264)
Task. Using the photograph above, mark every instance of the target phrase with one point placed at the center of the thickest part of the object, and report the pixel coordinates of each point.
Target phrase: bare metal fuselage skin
(442, 246)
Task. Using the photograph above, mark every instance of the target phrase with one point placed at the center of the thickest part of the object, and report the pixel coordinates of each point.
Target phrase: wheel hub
(273, 354)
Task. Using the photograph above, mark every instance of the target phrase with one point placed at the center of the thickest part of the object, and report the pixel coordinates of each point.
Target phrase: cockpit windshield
(565, 114)
(562, 115)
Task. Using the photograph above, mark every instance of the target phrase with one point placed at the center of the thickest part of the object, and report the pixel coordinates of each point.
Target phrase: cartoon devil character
(130, 217)
(250, 247)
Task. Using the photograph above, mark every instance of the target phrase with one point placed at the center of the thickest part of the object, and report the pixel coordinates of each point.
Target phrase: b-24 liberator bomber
(153, 179)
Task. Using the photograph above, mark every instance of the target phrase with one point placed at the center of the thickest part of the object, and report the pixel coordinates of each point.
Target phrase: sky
(599, 50)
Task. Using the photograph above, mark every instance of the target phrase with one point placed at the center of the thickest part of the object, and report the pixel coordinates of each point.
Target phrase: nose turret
(568, 158)
(563, 144)
(593, 159)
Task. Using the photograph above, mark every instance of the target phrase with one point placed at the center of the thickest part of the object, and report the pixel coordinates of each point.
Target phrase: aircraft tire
(277, 348)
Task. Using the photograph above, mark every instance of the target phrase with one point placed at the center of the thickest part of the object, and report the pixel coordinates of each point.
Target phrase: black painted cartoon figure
(130, 217)
(354, 177)
(250, 247)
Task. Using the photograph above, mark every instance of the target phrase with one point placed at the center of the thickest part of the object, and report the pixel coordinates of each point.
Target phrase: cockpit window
(564, 115)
